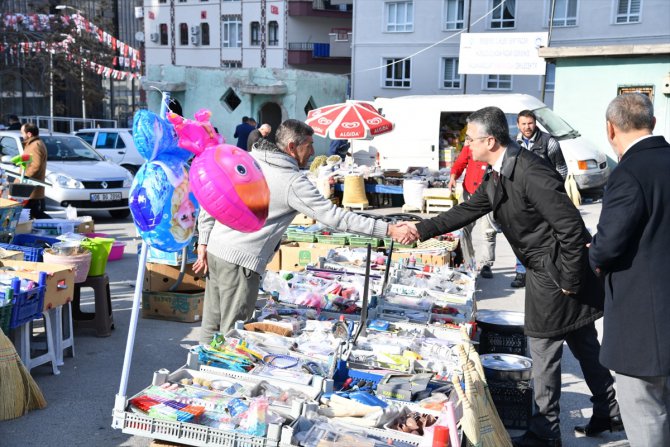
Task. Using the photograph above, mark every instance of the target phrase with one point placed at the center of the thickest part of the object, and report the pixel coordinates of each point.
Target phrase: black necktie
(496, 177)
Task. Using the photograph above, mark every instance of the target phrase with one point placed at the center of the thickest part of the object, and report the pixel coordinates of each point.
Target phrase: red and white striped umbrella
(351, 120)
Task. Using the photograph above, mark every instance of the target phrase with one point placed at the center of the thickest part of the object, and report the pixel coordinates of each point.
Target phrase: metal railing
(66, 124)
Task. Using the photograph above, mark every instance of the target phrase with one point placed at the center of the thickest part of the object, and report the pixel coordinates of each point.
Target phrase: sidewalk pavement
(81, 398)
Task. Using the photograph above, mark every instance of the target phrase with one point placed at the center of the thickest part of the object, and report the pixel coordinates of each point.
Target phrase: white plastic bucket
(412, 192)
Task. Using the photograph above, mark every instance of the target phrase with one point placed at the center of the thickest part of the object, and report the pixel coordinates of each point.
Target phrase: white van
(419, 121)
(116, 144)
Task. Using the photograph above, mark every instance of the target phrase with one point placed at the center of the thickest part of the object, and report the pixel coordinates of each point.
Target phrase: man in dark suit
(242, 132)
(546, 232)
(632, 250)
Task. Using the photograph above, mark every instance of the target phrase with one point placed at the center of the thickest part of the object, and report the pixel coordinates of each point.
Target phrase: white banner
(502, 53)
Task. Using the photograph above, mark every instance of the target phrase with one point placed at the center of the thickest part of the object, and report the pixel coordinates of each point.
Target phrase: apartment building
(427, 32)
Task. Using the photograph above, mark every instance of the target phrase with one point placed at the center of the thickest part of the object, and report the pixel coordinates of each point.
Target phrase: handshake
(404, 232)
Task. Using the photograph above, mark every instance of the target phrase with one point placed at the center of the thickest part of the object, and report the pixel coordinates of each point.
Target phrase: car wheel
(119, 214)
(130, 168)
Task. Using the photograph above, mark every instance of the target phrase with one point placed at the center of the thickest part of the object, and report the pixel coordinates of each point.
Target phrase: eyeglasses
(469, 139)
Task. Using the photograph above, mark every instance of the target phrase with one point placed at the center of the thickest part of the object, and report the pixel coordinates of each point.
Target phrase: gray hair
(265, 127)
(631, 111)
(493, 122)
(292, 131)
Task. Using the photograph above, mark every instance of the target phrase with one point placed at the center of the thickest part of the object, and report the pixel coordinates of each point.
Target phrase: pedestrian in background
(547, 147)
(339, 147)
(474, 172)
(14, 123)
(235, 260)
(257, 134)
(632, 251)
(242, 132)
(36, 169)
(546, 232)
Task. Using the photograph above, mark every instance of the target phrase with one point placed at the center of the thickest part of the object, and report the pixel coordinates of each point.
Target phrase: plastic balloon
(163, 208)
(226, 180)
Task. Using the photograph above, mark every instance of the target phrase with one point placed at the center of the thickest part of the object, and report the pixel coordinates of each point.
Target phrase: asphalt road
(81, 398)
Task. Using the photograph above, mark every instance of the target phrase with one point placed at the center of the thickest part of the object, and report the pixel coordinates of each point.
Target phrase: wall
(585, 86)
(205, 88)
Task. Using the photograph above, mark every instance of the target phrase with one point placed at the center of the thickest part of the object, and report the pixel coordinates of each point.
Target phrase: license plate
(105, 197)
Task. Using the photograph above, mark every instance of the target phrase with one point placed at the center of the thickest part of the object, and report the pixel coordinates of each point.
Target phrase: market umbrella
(350, 120)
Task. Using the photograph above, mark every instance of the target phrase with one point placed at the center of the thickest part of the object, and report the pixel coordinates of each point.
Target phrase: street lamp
(81, 58)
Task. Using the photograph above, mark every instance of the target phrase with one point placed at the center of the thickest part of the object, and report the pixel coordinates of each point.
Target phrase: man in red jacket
(474, 172)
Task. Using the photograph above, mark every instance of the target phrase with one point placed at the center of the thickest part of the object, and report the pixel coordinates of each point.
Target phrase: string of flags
(128, 57)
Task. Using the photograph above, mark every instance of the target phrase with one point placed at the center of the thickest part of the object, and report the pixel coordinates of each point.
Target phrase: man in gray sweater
(235, 261)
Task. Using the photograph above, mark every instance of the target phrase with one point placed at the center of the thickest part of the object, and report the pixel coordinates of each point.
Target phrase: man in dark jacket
(563, 296)
(631, 249)
(242, 132)
(547, 147)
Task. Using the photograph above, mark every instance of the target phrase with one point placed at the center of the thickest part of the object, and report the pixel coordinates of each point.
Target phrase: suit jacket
(632, 249)
(547, 234)
(242, 132)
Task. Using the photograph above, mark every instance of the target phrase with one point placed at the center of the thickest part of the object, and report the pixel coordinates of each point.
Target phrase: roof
(604, 50)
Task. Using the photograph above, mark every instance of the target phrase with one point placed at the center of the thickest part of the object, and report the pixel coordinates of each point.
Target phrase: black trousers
(546, 354)
(37, 209)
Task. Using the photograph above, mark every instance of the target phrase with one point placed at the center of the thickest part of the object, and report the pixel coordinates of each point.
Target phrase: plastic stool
(23, 338)
(101, 320)
(62, 316)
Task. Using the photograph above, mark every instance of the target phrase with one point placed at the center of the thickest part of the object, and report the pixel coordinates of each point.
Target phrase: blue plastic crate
(29, 253)
(27, 305)
(34, 240)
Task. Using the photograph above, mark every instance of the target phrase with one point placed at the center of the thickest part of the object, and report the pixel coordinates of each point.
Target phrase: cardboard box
(86, 225)
(274, 265)
(174, 306)
(302, 219)
(60, 279)
(403, 386)
(11, 255)
(24, 227)
(160, 277)
(437, 259)
(296, 256)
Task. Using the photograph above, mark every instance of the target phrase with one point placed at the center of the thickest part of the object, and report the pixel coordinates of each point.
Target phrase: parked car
(79, 176)
(115, 143)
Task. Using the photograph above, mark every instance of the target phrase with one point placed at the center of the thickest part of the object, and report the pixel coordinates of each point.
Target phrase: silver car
(79, 176)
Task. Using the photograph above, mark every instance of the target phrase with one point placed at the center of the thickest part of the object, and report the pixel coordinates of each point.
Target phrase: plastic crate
(29, 253)
(387, 243)
(514, 403)
(54, 227)
(332, 239)
(27, 304)
(362, 241)
(34, 240)
(300, 236)
(499, 343)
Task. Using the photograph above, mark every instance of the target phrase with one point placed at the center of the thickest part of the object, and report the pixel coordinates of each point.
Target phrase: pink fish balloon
(226, 180)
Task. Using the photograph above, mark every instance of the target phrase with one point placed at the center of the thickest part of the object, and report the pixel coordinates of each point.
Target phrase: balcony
(308, 53)
(320, 8)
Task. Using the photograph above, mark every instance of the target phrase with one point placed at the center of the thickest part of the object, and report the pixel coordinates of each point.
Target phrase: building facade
(427, 33)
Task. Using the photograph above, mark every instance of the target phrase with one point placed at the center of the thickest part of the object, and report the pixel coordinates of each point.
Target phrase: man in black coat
(242, 132)
(632, 250)
(563, 296)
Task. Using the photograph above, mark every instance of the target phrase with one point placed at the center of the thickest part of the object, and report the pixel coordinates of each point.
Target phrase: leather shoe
(519, 281)
(486, 272)
(599, 424)
(530, 439)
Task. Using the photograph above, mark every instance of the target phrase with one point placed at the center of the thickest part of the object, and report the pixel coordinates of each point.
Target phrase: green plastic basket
(362, 241)
(387, 243)
(332, 239)
(300, 236)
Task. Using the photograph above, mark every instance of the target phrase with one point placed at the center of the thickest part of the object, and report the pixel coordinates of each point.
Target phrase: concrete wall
(205, 87)
(585, 86)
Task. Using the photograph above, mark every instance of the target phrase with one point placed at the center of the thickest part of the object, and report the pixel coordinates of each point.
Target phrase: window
(255, 33)
(453, 14)
(398, 73)
(183, 33)
(232, 31)
(550, 78)
(503, 16)
(231, 64)
(9, 146)
(273, 33)
(450, 76)
(565, 13)
(204, 33)
(106, 140)
(498, 82)
(628, 11)
(399, 17)
(163, 33)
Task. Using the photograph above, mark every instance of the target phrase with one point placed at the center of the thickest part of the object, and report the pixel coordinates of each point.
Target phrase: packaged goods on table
(353, 260)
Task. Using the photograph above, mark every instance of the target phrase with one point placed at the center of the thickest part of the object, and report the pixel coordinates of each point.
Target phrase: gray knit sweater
(290, 193)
